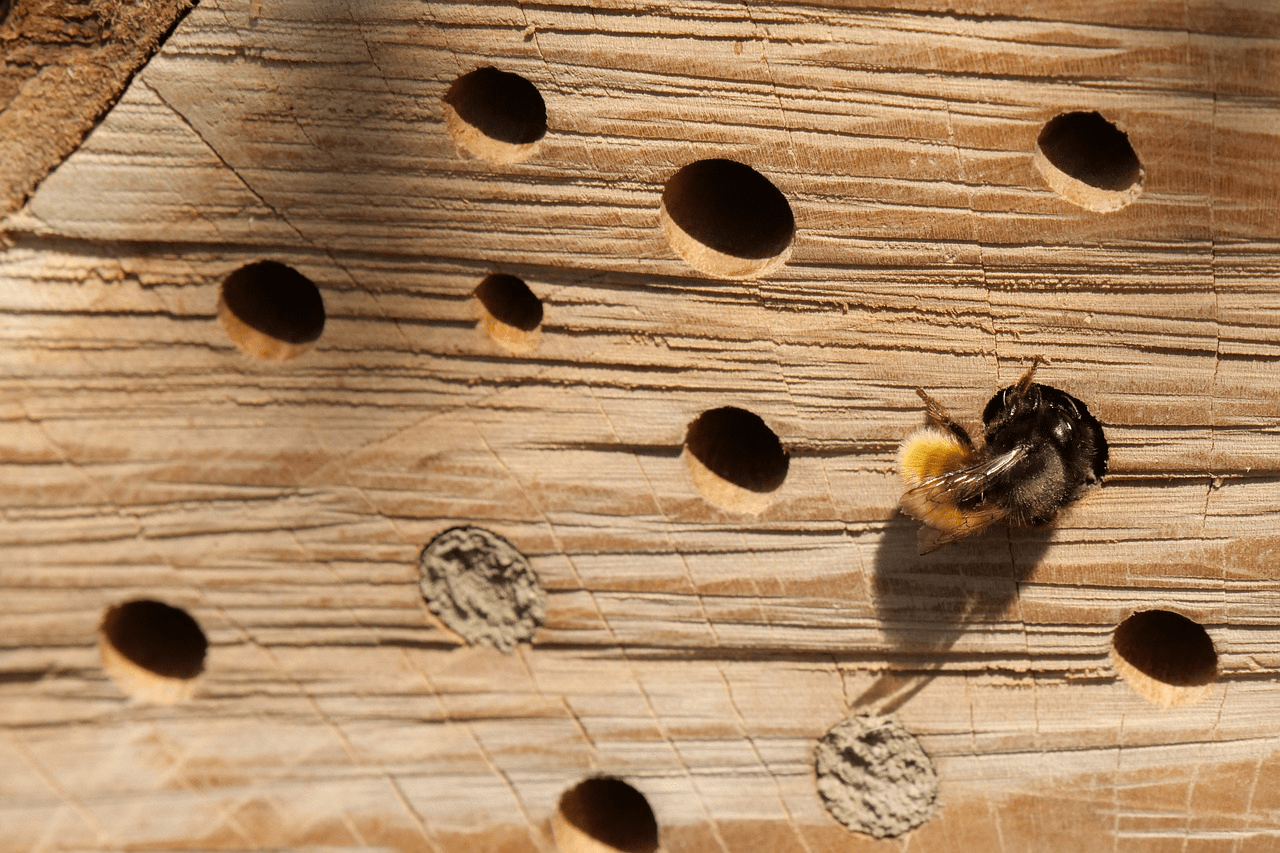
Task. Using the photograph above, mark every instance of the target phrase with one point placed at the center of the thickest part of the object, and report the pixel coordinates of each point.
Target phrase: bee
(1040, 450)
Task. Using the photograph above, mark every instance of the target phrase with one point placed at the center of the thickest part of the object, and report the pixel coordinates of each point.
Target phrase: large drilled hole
(601, 815)
(510, 313)
(151, 650)
(495, 115)
(271, 311)
(726, 219)
(735, 460)
(1167, 658)
(1089, 161)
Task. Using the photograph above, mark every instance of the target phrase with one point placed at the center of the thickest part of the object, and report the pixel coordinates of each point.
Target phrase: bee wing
(932, 538)
(936, 501)
(965, 484)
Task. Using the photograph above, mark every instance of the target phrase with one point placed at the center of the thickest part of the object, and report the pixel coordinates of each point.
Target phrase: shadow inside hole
(503, 106)
(156, 637)
(276, 300)
(612, 813)
(1087, 147)
(731, 208)
(925, 603)
(509, 300)
(738, 446)
(1168, 648)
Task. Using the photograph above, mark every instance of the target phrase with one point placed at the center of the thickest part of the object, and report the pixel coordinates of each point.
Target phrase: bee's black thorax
(1064, 450)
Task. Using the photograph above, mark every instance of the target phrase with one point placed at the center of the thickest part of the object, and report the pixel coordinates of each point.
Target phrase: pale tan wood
(66, 63)
(697, 653)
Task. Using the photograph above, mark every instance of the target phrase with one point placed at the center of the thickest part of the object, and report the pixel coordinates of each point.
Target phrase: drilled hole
(271, 311)
(726, 219)
(1089, 161)
(151, 650)
(735, 460)
(602, 815)
(510, 313)
(874, 777)
(1167, 658)
(495, 115)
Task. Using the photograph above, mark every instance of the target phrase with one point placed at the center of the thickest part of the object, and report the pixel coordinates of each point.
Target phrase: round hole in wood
(495, 115)
(1089, 161)
(1166, 657)
(726, 219)
(604, 815)
(151, 650)
(510, 313)
(735, 460)
(271, 311)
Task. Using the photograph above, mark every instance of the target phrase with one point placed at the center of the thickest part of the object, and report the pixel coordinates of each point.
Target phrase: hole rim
(270, 311)
(605, 814)
(479, 119)
(1166, 674)
(1067, 157)
(742, 474)
(153, 651)
(511, 314)
(704, 215)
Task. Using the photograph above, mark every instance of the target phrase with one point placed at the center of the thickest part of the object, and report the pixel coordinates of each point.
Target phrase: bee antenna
(1025, 382)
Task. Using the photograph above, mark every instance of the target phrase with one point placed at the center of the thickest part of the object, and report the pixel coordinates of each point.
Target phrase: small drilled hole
(735, 460)
(151, 650)
(874, 777)
(1167, 658)
(495, 115)
(726, 219)
(602, 815)
(271, 311)
(1089, 161)
(510, 313)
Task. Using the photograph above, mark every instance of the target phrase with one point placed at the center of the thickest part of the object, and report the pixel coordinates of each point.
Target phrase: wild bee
(1040, 450)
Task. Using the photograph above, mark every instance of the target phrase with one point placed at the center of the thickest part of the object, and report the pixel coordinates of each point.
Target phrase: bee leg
(941, 418)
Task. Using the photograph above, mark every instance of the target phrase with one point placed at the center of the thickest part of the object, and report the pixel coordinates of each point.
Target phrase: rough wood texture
(66, 62)
(696, 652)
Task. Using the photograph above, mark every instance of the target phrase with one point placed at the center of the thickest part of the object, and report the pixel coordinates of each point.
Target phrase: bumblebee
(1040, 450)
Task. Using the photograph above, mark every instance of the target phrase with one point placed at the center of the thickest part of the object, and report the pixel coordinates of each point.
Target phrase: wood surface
(66, 63)
(696, 652)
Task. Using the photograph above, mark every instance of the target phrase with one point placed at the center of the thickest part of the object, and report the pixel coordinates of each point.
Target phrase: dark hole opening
(158, 638)
(509, 300)
(1168, 647)
(613, 813)
(1091, 149)
(276, 300)
(503, 106)
(738, 446)
(731, 208)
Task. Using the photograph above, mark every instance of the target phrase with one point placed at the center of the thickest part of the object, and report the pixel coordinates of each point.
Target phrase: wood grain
(66, 63)
(695, 652)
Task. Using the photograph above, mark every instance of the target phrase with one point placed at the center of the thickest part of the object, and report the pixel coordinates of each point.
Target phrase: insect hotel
(455, 426)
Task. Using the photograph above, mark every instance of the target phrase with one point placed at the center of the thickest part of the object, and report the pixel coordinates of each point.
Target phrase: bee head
(1037, 415)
